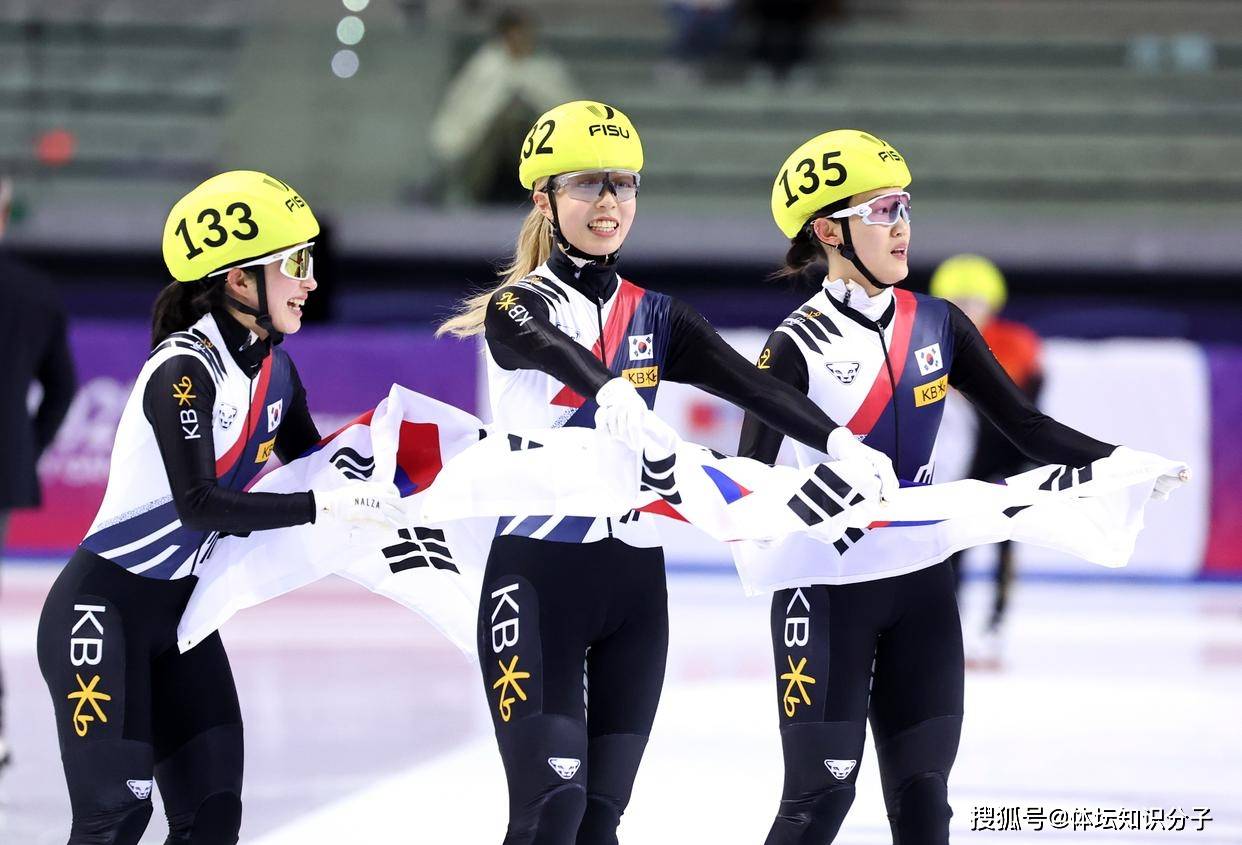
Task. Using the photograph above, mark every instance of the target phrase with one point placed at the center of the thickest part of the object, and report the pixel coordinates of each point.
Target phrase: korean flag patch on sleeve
(641, 347)
(928, 359)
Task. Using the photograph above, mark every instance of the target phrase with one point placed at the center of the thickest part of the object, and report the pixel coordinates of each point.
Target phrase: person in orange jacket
(977, 286)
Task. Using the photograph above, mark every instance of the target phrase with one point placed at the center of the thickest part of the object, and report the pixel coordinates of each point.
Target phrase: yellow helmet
(582, 135)
(832, 167)
(231, 219)
(970, 277)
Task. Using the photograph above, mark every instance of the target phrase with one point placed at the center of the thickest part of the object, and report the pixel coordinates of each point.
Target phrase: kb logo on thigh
(87, 650)
(506, 631)
(797, 635)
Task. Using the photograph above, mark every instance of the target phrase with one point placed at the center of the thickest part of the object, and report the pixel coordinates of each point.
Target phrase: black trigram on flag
(353, 465)
(517, 444)
(1063, 478)
(848, 539)
(658, 477)
(420, 547)
(824, 495)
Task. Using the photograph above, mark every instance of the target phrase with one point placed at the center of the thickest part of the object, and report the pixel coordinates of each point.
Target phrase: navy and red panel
(919, 322)
(254, 446)
(635, 313)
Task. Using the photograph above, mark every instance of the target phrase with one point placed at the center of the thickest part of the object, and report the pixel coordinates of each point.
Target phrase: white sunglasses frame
(277, 257)
(863, 208)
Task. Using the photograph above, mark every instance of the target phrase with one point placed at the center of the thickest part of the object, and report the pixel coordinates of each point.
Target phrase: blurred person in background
(976, 286)
(783, 33)
(572, 602)
(34, 349)
(488, 109)
(215, 399)
(701, 29)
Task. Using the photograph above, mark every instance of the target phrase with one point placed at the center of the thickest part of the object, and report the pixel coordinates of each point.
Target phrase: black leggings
(130, 708)
(890, 650)
(555, 617)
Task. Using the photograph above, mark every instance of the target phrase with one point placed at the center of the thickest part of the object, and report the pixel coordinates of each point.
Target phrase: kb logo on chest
(934, 391)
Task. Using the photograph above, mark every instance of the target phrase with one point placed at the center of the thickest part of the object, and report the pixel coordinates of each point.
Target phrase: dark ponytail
(181, 305)
(806, 249)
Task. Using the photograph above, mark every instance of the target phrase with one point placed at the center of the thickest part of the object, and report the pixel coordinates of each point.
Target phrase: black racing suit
(888, 649)
(591, 617)
(129, 707)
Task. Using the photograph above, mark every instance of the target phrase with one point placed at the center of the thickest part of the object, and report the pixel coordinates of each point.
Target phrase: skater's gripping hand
(1166, 484)
(659, 438)
(362, 501)
(844, 446)
(621, 412)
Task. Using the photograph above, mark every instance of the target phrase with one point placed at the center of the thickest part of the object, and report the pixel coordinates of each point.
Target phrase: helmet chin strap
(568, 248)
(262, 318)
(846, 251)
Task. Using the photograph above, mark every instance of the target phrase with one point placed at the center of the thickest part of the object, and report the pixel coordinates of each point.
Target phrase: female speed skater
(214, 401)
(879, 360)
(573, 621)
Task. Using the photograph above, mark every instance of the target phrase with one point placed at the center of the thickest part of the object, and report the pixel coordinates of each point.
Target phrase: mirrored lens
(297, 264)
(887, 209)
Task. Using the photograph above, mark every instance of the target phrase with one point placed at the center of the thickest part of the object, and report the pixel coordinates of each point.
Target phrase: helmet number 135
(833, 174)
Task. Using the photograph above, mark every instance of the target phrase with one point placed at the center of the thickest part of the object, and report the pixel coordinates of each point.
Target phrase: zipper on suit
(888, 365)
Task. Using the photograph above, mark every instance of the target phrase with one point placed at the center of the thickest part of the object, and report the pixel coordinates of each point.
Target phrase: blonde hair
(534, 247)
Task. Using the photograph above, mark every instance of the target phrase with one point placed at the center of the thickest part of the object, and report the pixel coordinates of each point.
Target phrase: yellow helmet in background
(582, 135)
(970, 277)
(831, 167)
(233, 218)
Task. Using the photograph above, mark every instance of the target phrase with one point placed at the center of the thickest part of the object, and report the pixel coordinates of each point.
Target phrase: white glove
(844, 446)
(362, 501)
(1166, 484)
(621, 412)
(659, 438)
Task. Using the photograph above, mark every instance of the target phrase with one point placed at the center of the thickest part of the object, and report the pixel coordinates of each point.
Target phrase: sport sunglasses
(884, 210)
(588, 185)
(295, 262)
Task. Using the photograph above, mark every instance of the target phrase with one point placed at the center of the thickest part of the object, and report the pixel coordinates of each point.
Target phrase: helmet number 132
(833, 174)
(543, 148)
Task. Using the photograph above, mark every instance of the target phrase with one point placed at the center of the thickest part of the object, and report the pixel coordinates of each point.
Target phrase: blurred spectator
(783, 32)
(701, 27)
(489, 108)
(975, 285)
(33, 348)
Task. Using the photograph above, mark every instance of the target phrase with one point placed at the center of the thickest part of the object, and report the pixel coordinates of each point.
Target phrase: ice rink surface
(364, 726)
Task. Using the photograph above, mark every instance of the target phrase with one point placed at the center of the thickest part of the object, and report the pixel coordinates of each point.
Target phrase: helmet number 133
(218, 234)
